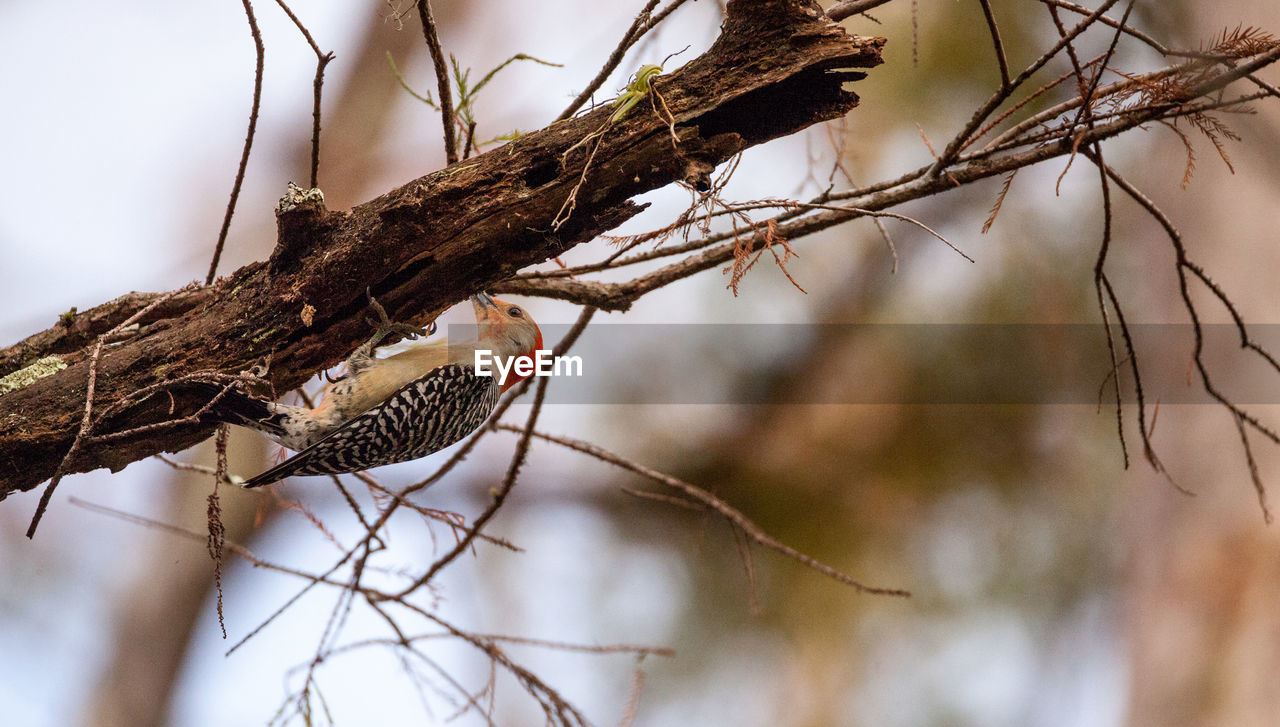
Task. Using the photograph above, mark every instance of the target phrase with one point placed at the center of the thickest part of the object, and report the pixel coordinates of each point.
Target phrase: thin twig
(1254, 475)
(554, 706)
(994, 28)
(432, 37)
(200, 468)
(1183, 265)
(314, 581)
(322, 60)
(953, 148)
(499, 495)
(1101, 282)
(217, 531)
(633, 697)
(248, 143)
(858, 211)
(846, 8)
(742, 542)
(720, 506)
(75, 444)
(633, 34)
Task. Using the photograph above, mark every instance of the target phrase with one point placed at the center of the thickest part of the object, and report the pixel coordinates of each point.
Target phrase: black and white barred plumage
(425, 416)
(387, 410)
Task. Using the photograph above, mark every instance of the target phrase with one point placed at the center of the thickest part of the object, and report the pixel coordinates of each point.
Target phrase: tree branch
(777, 67)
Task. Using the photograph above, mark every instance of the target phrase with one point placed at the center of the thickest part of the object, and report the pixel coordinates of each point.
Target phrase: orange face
(508, 330)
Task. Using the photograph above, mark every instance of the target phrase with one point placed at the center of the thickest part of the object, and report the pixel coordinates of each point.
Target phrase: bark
(776, 68)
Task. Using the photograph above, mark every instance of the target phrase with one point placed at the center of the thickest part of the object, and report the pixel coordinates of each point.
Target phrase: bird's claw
(406, 330)
(383, 320)
(386, 326)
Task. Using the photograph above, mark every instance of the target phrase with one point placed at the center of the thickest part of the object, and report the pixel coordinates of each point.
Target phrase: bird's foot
(386, 326)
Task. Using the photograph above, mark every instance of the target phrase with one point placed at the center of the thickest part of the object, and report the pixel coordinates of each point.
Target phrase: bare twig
(75, 445)
(432, 37)
(499, 495)
(953, 148)
(322, 60)
(1101, 282)
(248, 143)
(1254, 475)
(846, 8)
(314, 580)
(720, 506)
(554, 706)
(637, 649)
(994, 28)
(633, 697)
(202, 469)
(217, 531)
(858, 211)
(1183, 266)
(629, 39)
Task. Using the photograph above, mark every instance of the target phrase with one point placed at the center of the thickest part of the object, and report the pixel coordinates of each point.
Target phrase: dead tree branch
(777, 67)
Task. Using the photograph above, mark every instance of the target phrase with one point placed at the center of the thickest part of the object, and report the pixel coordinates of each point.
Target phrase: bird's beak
(484, 306)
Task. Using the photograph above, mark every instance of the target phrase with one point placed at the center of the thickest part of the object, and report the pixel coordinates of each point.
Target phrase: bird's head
(507, 330)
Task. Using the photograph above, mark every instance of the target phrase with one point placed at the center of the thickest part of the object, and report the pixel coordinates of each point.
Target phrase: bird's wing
(425, 415)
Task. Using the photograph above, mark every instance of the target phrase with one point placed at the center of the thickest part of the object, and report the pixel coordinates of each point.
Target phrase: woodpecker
(390, 410)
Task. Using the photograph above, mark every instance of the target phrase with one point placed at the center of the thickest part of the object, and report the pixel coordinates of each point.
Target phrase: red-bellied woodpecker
(395, 409)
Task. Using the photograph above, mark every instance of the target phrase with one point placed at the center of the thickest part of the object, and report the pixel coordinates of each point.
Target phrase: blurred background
(1052, 586)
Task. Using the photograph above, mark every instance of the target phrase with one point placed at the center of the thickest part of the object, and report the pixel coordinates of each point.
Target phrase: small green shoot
(405, 85)
(463, 114)
(637, 89)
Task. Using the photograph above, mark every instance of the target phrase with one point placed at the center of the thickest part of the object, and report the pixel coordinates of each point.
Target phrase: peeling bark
(777, 67)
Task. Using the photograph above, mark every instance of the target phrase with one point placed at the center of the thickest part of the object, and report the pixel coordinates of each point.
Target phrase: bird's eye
(515, 312)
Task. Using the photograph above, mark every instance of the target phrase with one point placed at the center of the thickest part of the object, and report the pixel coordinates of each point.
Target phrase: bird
(394, 409)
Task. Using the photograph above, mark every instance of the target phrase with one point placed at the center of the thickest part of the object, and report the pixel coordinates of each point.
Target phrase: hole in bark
(773, 111)
(541, 172)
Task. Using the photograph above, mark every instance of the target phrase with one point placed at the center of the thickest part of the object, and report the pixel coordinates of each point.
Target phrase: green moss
(34, 371)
